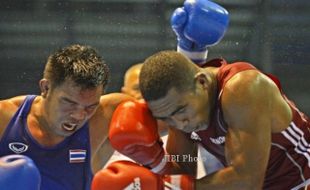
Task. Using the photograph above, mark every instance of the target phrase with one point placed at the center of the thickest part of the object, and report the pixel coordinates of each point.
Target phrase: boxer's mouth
(69, 126)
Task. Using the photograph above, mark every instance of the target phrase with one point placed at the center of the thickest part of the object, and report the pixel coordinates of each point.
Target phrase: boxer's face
(187, 111)
(68, 107)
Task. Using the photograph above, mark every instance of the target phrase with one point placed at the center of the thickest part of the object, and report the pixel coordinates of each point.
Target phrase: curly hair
(163, 71)
(81, 64)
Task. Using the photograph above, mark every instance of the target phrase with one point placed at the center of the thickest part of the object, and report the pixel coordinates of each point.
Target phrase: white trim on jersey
(303, 184)
(296, 137)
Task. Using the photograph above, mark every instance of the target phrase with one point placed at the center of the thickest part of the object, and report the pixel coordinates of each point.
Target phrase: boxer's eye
(91, 108)
(67, 101)
(70, 104)
(182, 110)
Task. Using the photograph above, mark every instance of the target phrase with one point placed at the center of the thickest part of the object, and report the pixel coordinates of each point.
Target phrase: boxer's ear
(202, 79)
(44, 87)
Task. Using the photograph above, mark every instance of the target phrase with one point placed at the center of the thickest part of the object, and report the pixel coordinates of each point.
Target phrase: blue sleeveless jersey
(65, 166)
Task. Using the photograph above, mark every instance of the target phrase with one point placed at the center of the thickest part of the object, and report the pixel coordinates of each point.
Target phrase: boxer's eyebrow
(74, 102)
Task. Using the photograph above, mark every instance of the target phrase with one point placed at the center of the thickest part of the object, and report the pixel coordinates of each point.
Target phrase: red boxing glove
(133, 132)
(129, 176)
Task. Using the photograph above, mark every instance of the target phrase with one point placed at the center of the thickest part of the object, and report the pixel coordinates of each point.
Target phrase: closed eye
(91, 108)
(68, 102)
(182, 110)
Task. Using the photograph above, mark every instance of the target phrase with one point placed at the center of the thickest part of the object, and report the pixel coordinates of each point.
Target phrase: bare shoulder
(251, 93)
(244, 93)
(247, 85)
(8, 107)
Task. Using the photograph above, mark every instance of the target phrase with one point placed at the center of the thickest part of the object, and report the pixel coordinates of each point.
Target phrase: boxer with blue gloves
(198, 25)
(18, 172)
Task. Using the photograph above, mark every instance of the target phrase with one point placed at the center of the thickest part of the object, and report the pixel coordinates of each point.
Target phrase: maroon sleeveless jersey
(289, 162)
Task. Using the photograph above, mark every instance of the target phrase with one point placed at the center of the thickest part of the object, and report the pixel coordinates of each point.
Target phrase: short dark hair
(81, 64)
(163, 71)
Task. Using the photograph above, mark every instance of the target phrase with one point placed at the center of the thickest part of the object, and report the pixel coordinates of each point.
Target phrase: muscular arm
(99, 129)
(179, 145)
(102, 156)
(247, 103)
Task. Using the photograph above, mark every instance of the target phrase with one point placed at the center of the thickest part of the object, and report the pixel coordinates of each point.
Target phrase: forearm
(181, 164)
(177, 168)
(101, 156)
(229, 179)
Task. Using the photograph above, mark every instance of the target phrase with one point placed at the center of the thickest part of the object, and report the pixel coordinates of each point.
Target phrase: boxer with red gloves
(130, 176)
(133, 132)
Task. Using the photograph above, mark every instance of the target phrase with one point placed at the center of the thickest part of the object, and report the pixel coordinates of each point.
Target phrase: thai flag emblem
(77, 156)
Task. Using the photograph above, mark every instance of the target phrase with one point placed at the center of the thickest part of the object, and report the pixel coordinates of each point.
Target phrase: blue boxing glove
(18, 172)
(198, 25)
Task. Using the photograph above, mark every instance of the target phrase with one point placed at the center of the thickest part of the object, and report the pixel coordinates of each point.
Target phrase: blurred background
(272, 34)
